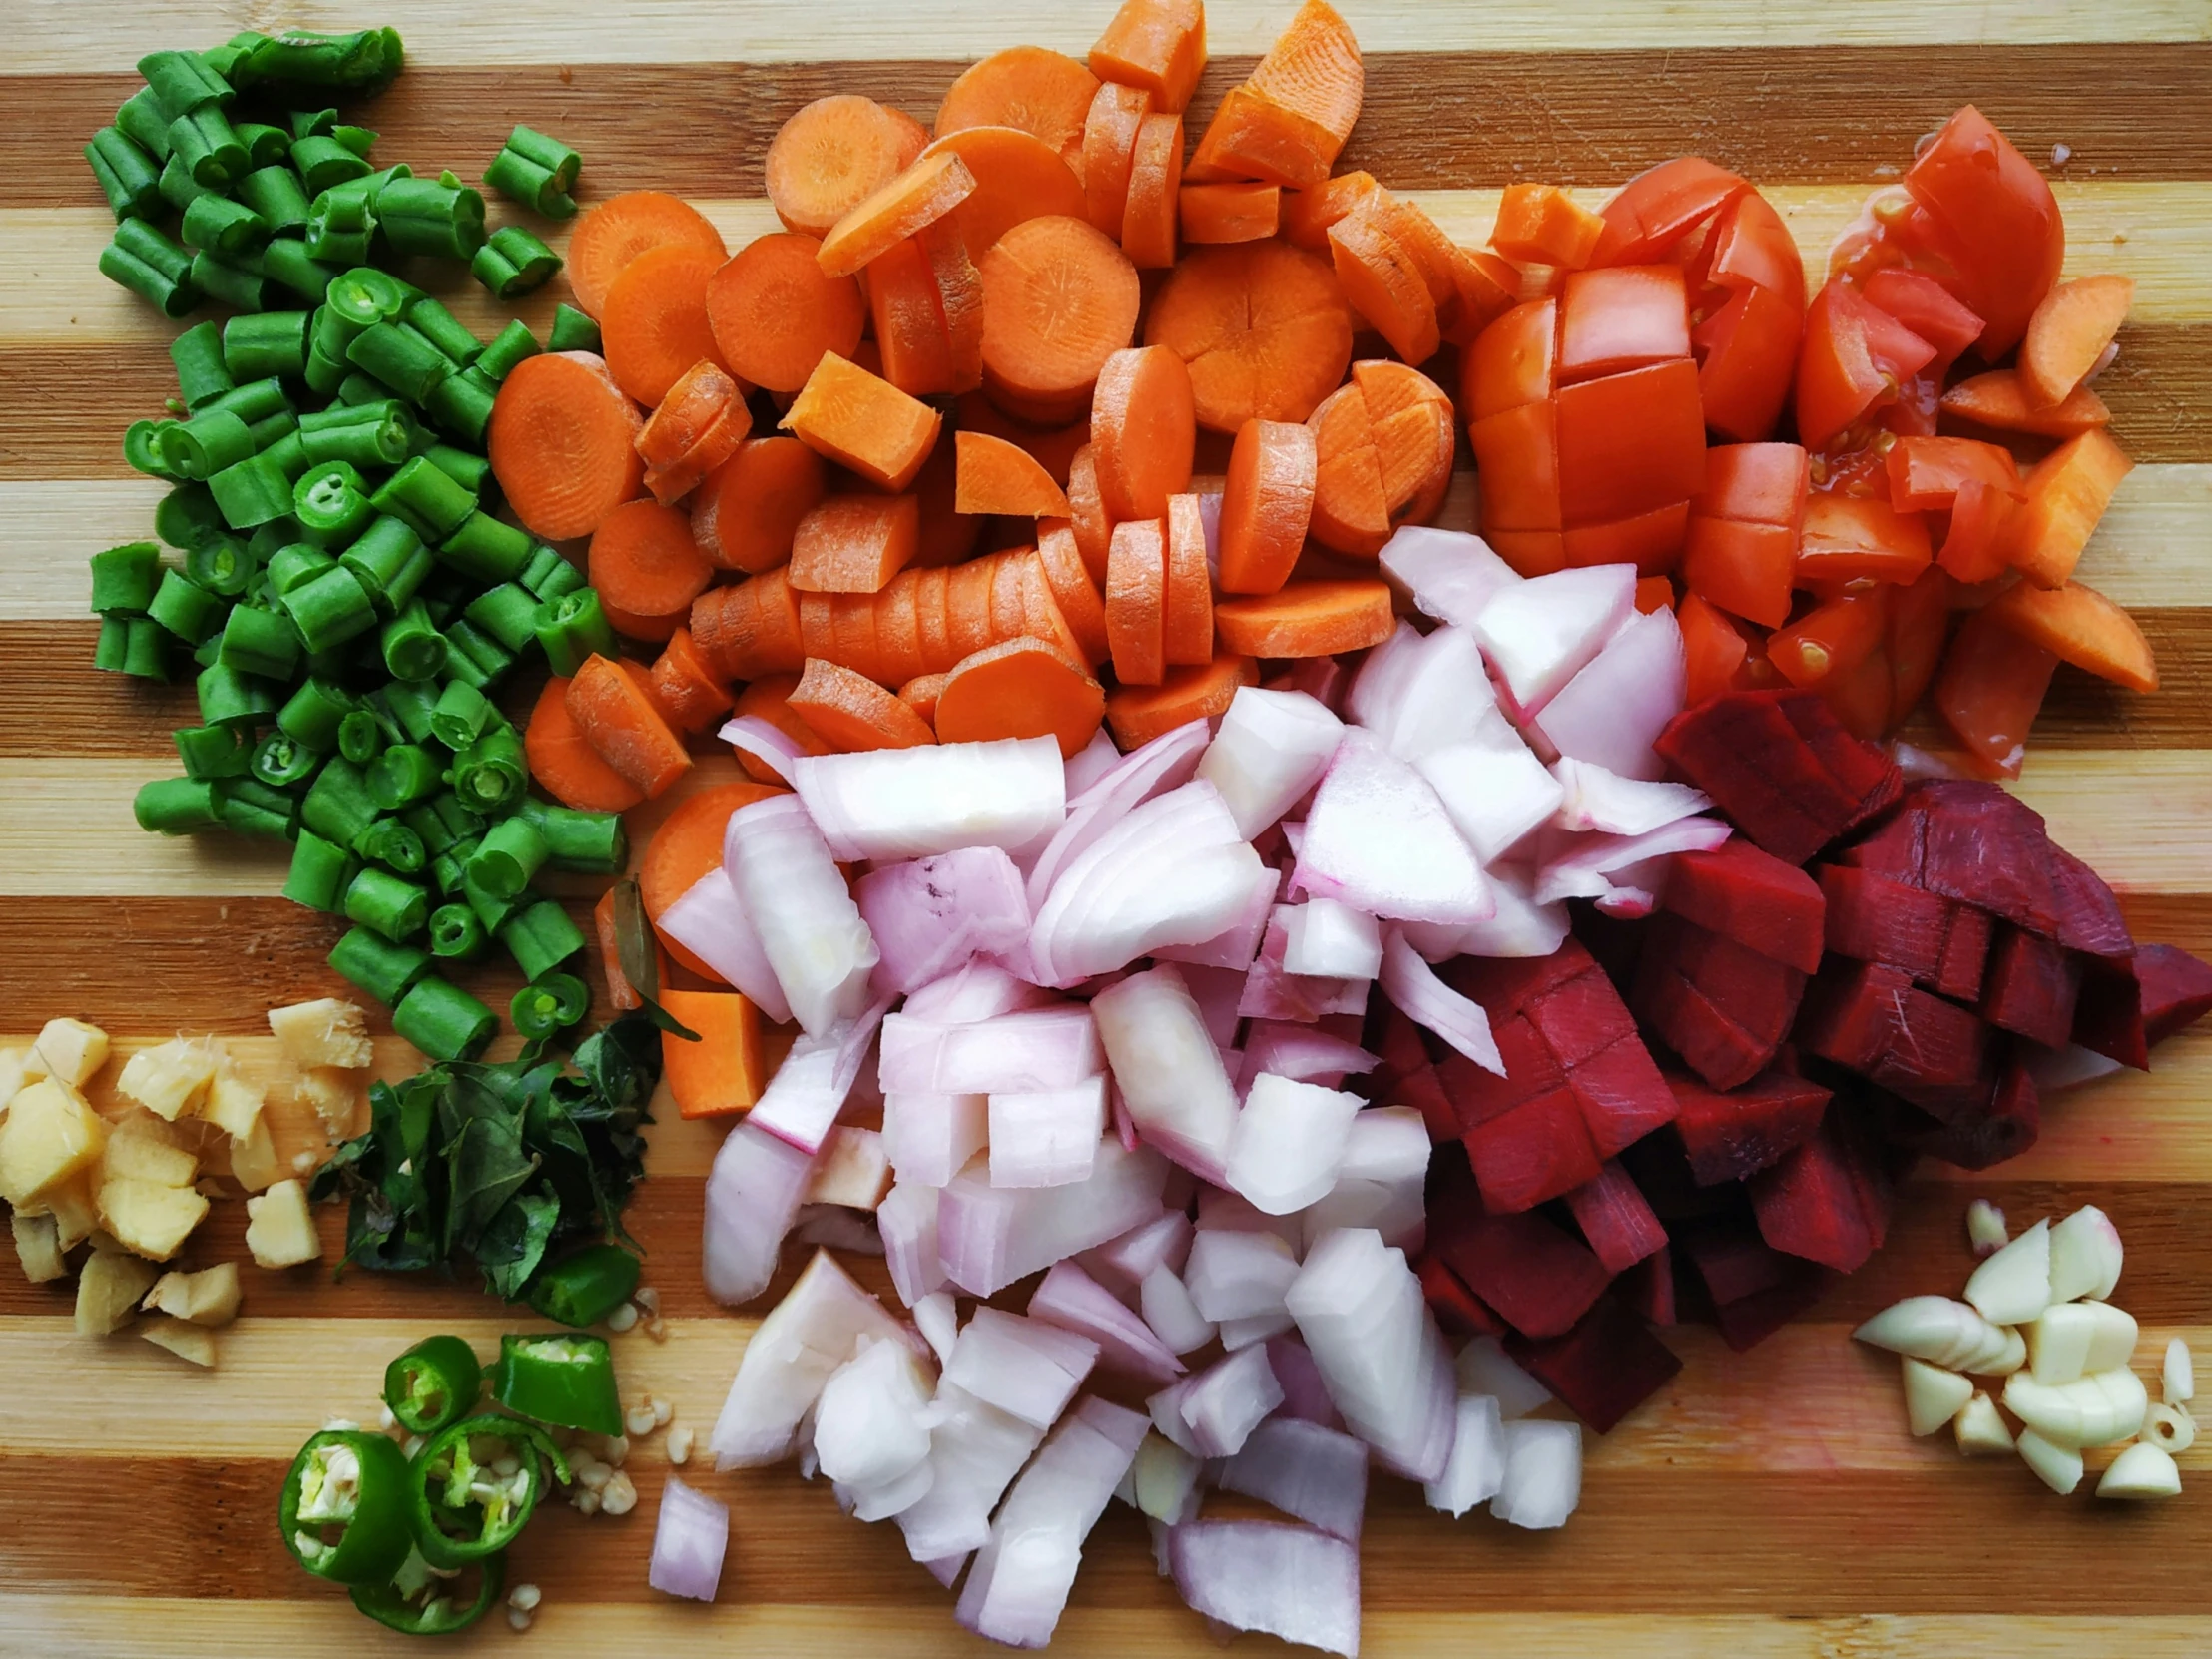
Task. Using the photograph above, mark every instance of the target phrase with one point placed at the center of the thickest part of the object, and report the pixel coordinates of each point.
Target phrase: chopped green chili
(347, 1507)
(585, 1286)
(433, 1385)
(563, 1381)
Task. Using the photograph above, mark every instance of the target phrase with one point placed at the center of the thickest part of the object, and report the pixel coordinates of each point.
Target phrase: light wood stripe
(62, 38)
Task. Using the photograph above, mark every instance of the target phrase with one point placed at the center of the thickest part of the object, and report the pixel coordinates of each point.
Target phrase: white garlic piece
(2179, 1380)
(2070, 1340)
(2101, 1410)
(2141, 1472)
(1980, 1428)
(2013, 1285)
(2057, 1467)
(1945, 1334)
(2085, 1256)
(2169, 1428)
(1932, 1396)
(1985, 1228)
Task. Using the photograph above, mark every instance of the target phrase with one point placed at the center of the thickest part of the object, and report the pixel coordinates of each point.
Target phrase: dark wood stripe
(1430, 119)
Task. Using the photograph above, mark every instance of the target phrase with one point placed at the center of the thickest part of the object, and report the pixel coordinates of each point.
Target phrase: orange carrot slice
(1109, 146)
(621, 228)
(1157, 45)
(671, 480)
(725, 1071)
(862, 423)
(568, 768)
(1313, 69)
(769, 699)
(1383, 456)
(1383, 282)
(1059, 298)
(1155, 182)
(2081, 626)
(1017, 176)
(1021, 689)
(1138, 714)
(1307, 618)
(947, 535)
(774, 314)
(909, 321)
(564, 443)
(700, 397)
(745, 511)
(686, 689)
(1076, 593)
(2067, 492)
(1188, 630)
(1143, 431)
(1136, 601)
(749, 629)
(1263, 326)
(853, 713)
(920, 693)
(1307, 214)
(1267, 504)
(2069, 332)
(688, 844)
(959, 284)
(644, 563)
(999, 477)
(654, 320)
(1999, 401)
(921, 196)
(1543, 224)
(855, 543)
(1053, 447)
(1228, 213)
(832, 155)
(1488, 287)
(1087, 516)
(1041, 92)
(619, 720)
(1290, 118)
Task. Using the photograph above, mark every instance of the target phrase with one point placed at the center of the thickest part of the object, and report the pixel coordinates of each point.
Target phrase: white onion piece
(1169, 1312)
(834, 1226)
(1271, 748)
(690, 1538)
(709, 923)
(975, 1451)
(1221, 1210)
(1449, 574)
(1270, 993)
(810, 929)
(1296, 1582)
(750, 734)
(1257, 1327)
(819, 1325)
(884, 804)
(979, 992)
(1439, 698)
(930, 1137)
(906, 1223)
(1091, 763)
(1035, 1049)
(1521, 927)
(1392, 1208)
(1596, 799)
(946, 1569)
(1385, 669)
(1224, 1403)
(1581, 872)
(1025, 1367)
(1326, 940)
(1172, 871)
(1362, 1312)
(1019, 1584)
(1305, 1395)
(1387, 1143)
(1611, 712)
(1289, 1140)
(1544, 1474)
(929, 916)
(802, 1100)
(1236, 1275)
(1411, 984)
(1236, 945)
(2069, 1068)
(1493, 788)
(1541, 633)
(872, 1423)
(753, 1195)
(1166, 763)
(1311, 1474)
(1378, 838)
(1167, 1067)
(1302, 1054)
(1484, 1367)
(1046, 1137)
(1164, 1241)
(1072, 1300)
(1477, 1468)
(988, 1237)
(1918, 764)
(937, 1317)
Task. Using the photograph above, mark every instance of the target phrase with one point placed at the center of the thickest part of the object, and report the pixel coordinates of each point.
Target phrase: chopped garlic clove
(2013, 1285)
(2085, 1256)
(2101, 1410)
(2178, 1383)
(1936, 1329)
(1980, 1428)
(2010, 1358)
(2141, 1472)
(1932, 1396)
(2058, 1466)
(2169, 1428)
(1985, 1228)
(2071, 1340)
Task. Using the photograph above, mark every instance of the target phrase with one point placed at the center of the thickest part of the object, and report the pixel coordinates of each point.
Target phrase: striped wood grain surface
(1767, 1505)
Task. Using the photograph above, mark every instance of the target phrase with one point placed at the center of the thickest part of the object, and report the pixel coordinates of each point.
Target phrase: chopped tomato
(1629, 444)
(1652, 541)
(1990, 218)
(1924, 473)
(1654, 593)
(1621, 318)
(1852, 538)
(1973, 548)
(1660, 205)
(1832, 638)
(1714, 648)
(1745, 569)
(1855, 356)
(1989, 690)
(1858, 696)
(1516, 459)
(1755, 484)
(1513, 361)
(1930, 309)
(1919, 623)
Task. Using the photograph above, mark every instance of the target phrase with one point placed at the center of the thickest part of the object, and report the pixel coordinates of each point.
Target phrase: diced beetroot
(2031, 986)
(1648, 1286)
(2176, 989)
(1732, 1262)
(1538, 1276)
(1424, 1092)
(1622, 1095)
(1750, 1321)
(1505, 986)
(1616, 941)
(1896, 848)
(1871, 1019)
(2087, 915)
(1457, 1309)
(1708, 1041)
(1478, 1094)
(1828, 1201)
(1603, 1369)
(1396, 1042)
(1873, 919)
(1582, 1018)
(1539, 1150)
(1754, 991)
(1616, 1219)
(1738, 1133)
(1753, 897)
(1861, 769)
(1965, 955)
(1662, 1174)
(1986, 847)
(2006, 1130)
(1850, 1012)
(1781, 767)
(2108, 1015)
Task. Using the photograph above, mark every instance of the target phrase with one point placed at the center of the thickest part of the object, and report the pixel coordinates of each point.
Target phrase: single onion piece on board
(1072, 1300)
(689, 1540)
(1296, 1582)
(753, 1195)
(1306, 1471)
(1413, 987)
(1362, 1312)
(1379, 839)
(811, 1087)
(935, 798)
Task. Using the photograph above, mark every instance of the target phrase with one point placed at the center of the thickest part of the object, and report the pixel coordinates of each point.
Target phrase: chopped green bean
(432, 216)
(213, 751)
(201, 376)
(403, 775)
(177, 806)
(572, 629)
(572, 331)
(383, 903)
(228, 695)
(185, 609)
(461, 714)
(300, 562)
(413, 648)
(330, 609)
(228, 279)
(590, 841)
(410, 704)
(510, 346)
(550, 576)
(389, 561)
(461, 404)
(360, 140)
(429, 318)
(123, 578)
(314, 713)
(444, 1021)
(250, 808)
(139, 119)
(513, 261)
(320, 872)
(151, 266)
(491, 774)
(331, 501)
(273, 343)
(401, 358)
(385, 970)
(141, 449)
(208, 146)
(489, 550)
(221, 565)
(509, 857)
(393, 844)
(282, 761)
(210, 441)
(260, 643)
(322, 162)
(252, 491)
(360, 739)
(455, 934)
(187, 516)
(540, 939)
(226, 225)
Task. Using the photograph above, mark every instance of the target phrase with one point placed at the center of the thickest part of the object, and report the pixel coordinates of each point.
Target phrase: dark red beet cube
(1755, 992)
(1873, 919)
(1753, 897)
(1733, 1261)
(1622, 1094)
(1478, 1094)
(1965, 955)
(2108, 1015)
(2031, 986)
(1538, 1149)
(1582, 1018)
(1616, 1219)
(1872, 1020)
(1723, 1008)
(1457, 1309)
(1709, 1042)
(1424, 1092)
(1505, 986)
(1862, 771)
(1979, 1141)
(2086, 913)
(1662, 1174)
(2176, 989)
(1989, 849)
(1729, 1135)
(1896, 848)
(1397, 1042)
(1828, 1201)
(1750, 1321)
(1538, 1277)
(1603, 1369)
(1781, 767)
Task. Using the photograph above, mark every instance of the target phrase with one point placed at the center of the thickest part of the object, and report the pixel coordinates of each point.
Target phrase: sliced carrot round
(644, 562)
(1228, 211)
(1159, 45)
(768, 697)
(959, 284)
(1267, 504)
(1041, 92)
(1263, 326)
(621, 228)
(995, 477)
(2078, 625)
(834, 154)
(1307, 618)
(1087, 515)
(920, 693)
(615, 711)
(1155, 182)
(1059, 299)
(908, 318)
(1383, 282)
(743, 514)
(1021, 689)
(918, 197)
(686, 688)
(699, 399)
(564, 443)
(567, 766)
(655, 320)
(1017, 176)
(946, 535)
(774, 314)
(851, 711)
(749, 629)
(855, 543)
(1307, 214)
(1144, 431)
(1138, 714)
(1054, 446)
(1383, 456)
(1188, 632)
(1136, 601)
(684, 847)
(1076, 593)
(1109, 146)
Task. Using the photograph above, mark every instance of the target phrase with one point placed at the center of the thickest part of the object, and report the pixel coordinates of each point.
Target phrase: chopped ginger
(186, 1341)
(279, 1230)
(253, 1158)
(68, 1050)
(209, 1297)
(232, 1105)
(169, 1079)
(324, 1032)
(50, 1133)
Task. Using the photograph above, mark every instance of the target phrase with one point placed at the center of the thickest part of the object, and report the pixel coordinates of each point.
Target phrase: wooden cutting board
(1767, 1505)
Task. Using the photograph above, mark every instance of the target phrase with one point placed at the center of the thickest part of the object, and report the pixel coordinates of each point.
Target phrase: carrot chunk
(686, 689)
(725, 1071)
(564, 443)
(1041, 92)
(1017, 176)
(1024, 688)
(920, 693)
(1136, 601)
(645, 564)
(1383, 456)
(862, 423)
(1267, 504)
(1000, 477)
(1053, 447)
(769, 699)
(1155, 180)
(1143, 431)
(2069, 334)
(855, 543)
(1543, 224)
(2067, 492)
(1228, 213)
(851, 711)
(1263, 326)
(1157, 45)
(1059, 298)
(1138, 714)
(1306, 213)
(1074, 591)
(747, 510)
(1187, 631)
(959, 283)
(1087, 516)
(619, 720)
(832, 155)
(567, 766)
(1290, 118)
(613, 233)
(1307, 618)
(749, 629)
(1109, 148)
(2000, 401)
(1383, 282)
(2082, 626)
(918, 197)
(707, 419)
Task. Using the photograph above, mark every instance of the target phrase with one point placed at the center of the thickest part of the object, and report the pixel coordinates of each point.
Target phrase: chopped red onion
(1918, 763)
(1224, 1403)
(834, 1226)
(1305, 1395)
(1612, 712)
(1165, 764)
(1477, 1469)
(1302, 1054)
(1165, 1480)
(975, 1450)
(811, 929)
(1311, 1473)
(929, 917)
(937, 1317)
(709, 923)
(1320, 678)
(979, 992)
(1484, 1367)
(1413, 987)
(1362, 1312)
(1493, 788)
(1437, 693)
(773, 748)
(809, 1088)
(1025, 1367)
(1393, 1208)
(906, 1223)
(1236, 945)
(1072, 1300)
(1036, 1048)
(946, 1569)
(690, 1538)
(882, 804)
(1170, 1313)
(1272, 993)
(821, 1322)
(1544, 1474)
(1378, 838)
(1387, 1143)
(1287, 1143)
(1296, 1582)
(752, 1194)
(1209, 519)
(1581, 873)
(1221, 1210)
(1449, 574)
(1257, 1327)
(1521, 927)
(1167, 1067)
(1164, 1241)
(871, 1427)
(1539, 634)
(930, 1137)
(1091, 763)
(1326, 940)
(1232, 1274)
(1046, 1137)
(1271, 748)
(988, 1237)
(1605, 801)
(1217, 993)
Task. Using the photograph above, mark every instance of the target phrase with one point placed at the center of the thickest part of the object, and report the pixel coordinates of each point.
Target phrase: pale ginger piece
(254, 1162)
(50, 1133)
(109, 1291)
(144, 1148)
(76, 1217)
(14, 1073)
(209, 1297)
(38, 1248)
(234, 1104)
(853, 1170)
(336, 1094)
(186, 1341)
(169, 1079)
(153, 1221)
(280, 1227)
(324, 1032)
(68, 1050)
